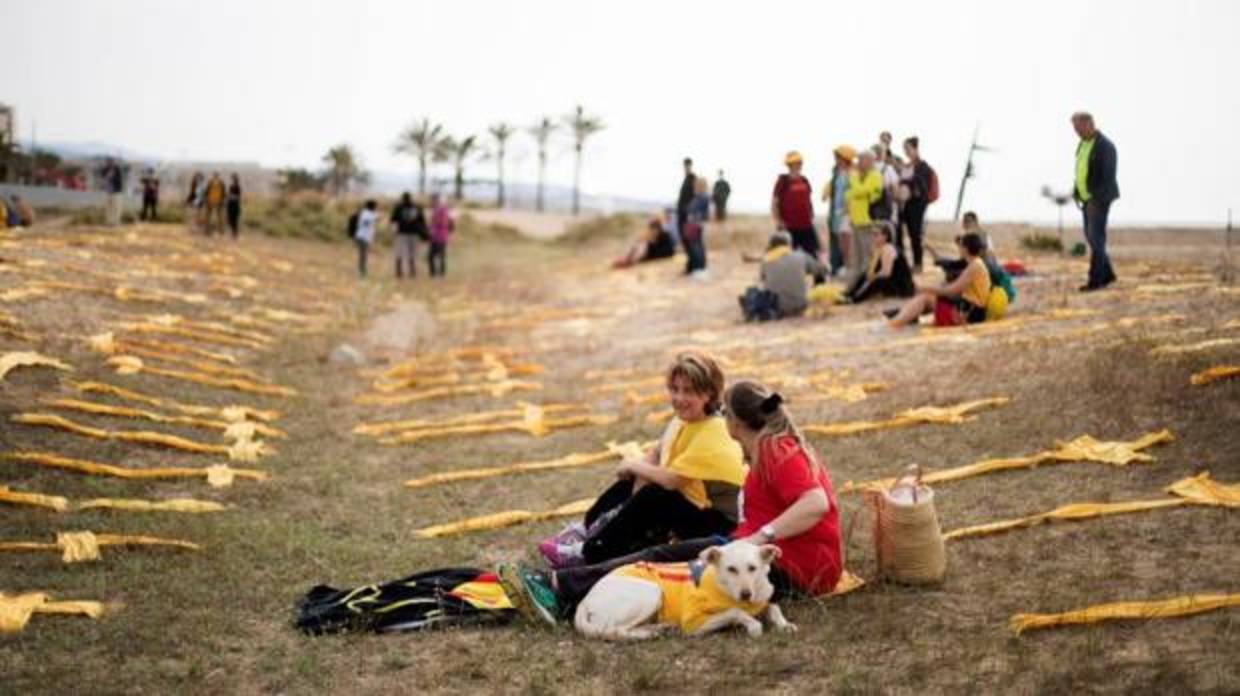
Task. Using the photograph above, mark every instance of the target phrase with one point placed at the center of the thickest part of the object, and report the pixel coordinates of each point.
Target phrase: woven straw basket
(907, 539)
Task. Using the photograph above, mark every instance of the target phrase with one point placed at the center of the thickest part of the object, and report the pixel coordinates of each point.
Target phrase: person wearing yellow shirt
(865, 188)
(686, 488)
(1094, 189)
(962, 301)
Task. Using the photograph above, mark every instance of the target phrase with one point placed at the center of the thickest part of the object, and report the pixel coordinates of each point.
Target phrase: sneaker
(531, 593)
(561, 555)
(891, 313)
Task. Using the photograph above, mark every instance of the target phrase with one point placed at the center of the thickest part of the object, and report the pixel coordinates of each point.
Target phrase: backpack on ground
(352, 227)
(932, 192)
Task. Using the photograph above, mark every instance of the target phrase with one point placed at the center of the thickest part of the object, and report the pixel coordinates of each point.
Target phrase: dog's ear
(710, 555)
(769, 552)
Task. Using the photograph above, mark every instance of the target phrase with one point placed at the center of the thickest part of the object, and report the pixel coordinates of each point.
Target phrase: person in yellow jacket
(213, 200)
(865, 188)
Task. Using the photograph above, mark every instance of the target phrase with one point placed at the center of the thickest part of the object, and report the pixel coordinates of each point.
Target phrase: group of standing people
(868, 192)
(409, 226)
(209, 200)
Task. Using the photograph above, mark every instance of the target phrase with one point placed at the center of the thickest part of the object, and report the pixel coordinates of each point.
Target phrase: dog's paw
(787, 628)
(754, 629)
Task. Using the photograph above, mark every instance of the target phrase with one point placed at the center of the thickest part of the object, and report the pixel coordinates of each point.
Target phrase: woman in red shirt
(786, 500)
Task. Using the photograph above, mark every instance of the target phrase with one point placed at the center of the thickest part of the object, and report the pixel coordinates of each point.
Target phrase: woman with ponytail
(786, 500)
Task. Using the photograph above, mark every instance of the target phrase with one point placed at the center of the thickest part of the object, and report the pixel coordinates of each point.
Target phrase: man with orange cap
(792, 207)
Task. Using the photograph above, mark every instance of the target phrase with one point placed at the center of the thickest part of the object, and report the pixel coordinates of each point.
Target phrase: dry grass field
(334, 509)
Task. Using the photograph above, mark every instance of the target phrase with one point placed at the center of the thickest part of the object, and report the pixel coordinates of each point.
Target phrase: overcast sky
(280, 82)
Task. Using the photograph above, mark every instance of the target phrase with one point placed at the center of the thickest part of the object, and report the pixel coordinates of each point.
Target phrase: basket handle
(913, 470)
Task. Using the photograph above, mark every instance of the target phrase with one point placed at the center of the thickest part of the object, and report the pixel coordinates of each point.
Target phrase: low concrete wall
(64, 199)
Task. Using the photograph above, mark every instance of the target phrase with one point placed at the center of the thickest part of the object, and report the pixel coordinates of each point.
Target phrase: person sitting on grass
(656, 243)
(959, 301)
(999, 277)
(787, 500)
(784, 292)
(888, 275)
(685, 488)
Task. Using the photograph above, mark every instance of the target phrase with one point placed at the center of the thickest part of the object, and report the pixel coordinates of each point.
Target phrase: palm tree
(423, 141)
(501, 132)
(342, 168)
(582, 127)
(457, 152)
(542, 135)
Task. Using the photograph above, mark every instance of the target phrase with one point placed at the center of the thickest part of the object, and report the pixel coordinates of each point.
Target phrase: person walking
(114, 185)
(442, 226)
(865, 192)
(1095, 190)
(720, 194)
(792, 207)
(150, 196)
(213, 198)
(364, 236)
(920, 192)
(233, 203)
(409, 221)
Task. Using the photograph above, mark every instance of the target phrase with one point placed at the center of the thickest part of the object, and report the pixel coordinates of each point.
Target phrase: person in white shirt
(367, 220)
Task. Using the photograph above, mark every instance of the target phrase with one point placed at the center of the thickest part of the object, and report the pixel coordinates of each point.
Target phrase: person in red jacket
(792, 207)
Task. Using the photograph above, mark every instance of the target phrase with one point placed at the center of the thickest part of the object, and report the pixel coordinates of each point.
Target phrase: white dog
(726, 586)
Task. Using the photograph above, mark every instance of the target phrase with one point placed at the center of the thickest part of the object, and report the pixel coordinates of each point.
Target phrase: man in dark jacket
(1094, 190)
(721, 193)
(686, 195)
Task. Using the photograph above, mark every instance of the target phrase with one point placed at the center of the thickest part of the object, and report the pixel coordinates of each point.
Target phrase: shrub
(1040, 241)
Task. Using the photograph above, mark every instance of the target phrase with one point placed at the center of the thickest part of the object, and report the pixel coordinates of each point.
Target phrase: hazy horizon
(279, 83)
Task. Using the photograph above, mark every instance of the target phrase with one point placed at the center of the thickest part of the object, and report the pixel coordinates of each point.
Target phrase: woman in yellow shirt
(685, 488)
(962, 301)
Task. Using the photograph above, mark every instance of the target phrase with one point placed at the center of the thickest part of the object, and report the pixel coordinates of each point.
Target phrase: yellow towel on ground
(1167, 608)
(1195, 490)
(1215, 374)
(917, 416)
(16, 610)
(9, 361)
(1084, 448)
(51, 502)
(576, 459)
(172, 505)
(502, 519)
(217, 476)
(84, 546)
(241, 451)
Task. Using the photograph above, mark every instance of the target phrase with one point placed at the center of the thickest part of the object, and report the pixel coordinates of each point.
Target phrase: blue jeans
(1095, 216)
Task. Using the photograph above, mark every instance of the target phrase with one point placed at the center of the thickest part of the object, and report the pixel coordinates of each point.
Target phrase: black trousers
(648, 517)
(914, 222)
(149, 204)
(572, 584)
(234, 218)
(437, 258)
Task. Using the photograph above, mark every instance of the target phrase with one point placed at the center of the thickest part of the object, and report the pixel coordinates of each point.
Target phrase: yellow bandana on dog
(691, 594)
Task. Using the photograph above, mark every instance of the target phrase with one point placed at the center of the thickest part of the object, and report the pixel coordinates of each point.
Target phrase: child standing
(441, 229)
(367, 219)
